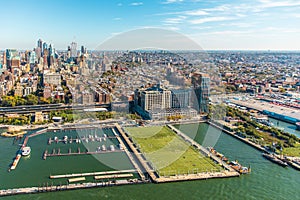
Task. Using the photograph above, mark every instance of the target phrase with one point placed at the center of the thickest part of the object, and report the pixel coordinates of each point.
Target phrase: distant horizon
(152, 50)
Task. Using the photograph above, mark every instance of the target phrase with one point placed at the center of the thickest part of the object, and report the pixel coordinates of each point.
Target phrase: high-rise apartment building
(12, 58)
(201, 85)
(73, 49)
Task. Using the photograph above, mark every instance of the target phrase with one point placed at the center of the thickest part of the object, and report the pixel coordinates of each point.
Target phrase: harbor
(247, 155)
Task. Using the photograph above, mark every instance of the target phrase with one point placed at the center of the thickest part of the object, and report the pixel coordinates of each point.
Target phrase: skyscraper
(32, 58)
(82, 50)
(201, 85)
(40, 43)
(45, 47)
(73, 49)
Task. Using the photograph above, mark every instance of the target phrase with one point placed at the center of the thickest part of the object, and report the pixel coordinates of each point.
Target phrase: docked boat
(26, 151)
(65, 139)
(239, 168)
(221, 156)
(274, 159)
(298, 125)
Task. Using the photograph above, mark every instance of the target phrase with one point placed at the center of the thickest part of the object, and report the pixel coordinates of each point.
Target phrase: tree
(32, 99)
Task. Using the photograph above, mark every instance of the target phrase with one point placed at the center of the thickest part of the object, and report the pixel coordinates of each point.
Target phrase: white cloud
(136, 3)
(117, 19)
(196, 12)
(276, 3)
(221, 8)
(210, 19)
(176, 20)
(238, 24)
(119, 4)
(172, 1)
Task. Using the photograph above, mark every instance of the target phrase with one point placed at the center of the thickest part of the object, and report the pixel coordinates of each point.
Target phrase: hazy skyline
(214, 25)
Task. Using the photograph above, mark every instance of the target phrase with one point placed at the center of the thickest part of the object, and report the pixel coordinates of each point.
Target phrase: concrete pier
(136, 166)
(92, 174)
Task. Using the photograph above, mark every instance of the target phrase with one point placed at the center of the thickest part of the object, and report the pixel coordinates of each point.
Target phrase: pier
(136, 166)
(51, 188)
(18, 157)
(201, 149)
(114, 176)
(89, 138)
(53, 154)
(92, 174)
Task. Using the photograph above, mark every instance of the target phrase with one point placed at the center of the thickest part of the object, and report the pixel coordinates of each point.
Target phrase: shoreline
(257, 146)
(149, 172)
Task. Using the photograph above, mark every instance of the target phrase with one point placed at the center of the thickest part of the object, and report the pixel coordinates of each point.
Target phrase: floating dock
(72, 180)
(16, 161)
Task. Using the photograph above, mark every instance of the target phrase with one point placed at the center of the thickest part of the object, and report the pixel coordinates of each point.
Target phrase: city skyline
(217, 25)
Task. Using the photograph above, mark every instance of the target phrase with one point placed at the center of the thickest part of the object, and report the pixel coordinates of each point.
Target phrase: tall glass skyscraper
(201, 84)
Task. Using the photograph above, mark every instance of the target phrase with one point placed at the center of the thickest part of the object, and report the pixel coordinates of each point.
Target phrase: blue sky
(214, 24)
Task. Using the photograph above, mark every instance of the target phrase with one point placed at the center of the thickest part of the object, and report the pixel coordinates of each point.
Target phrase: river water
(266, 181)
(290, 128)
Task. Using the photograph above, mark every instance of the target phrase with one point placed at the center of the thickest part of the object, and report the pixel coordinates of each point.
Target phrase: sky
(213, 24)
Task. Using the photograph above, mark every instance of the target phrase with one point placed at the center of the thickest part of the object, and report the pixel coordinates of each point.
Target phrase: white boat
(26, 151)
(65, 139)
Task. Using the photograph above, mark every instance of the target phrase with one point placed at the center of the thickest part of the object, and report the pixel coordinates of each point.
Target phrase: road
(48, 107)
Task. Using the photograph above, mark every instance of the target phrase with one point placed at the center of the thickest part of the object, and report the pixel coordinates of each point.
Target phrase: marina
(257, 163)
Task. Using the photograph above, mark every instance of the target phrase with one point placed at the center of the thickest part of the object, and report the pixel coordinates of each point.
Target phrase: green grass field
(168, 153)
(292, 151)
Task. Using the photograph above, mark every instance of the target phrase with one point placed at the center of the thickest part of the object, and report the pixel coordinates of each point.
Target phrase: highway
(48, 107)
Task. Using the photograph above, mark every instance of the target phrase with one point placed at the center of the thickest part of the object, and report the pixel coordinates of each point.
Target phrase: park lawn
(292, 151)
(170, 154)
(151, 139)
(190, 162)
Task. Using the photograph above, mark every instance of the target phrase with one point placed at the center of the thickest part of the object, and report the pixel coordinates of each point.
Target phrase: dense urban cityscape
(148, 109)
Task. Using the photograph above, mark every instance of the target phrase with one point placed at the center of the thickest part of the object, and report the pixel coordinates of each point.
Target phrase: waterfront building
(181, 98)
(155, 98)
(159, 103)
(201, 85)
